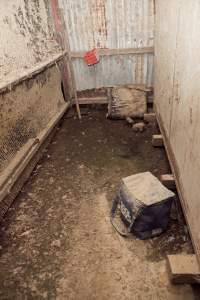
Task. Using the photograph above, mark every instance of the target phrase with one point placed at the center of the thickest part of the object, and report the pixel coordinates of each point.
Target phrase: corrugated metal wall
(113, 24)
(26, 37)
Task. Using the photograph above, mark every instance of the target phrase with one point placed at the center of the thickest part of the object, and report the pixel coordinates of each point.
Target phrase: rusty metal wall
(114, 24)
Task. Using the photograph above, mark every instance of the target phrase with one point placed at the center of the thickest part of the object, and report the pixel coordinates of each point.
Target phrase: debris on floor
(139, 127)
(57, 242)
(144, 204)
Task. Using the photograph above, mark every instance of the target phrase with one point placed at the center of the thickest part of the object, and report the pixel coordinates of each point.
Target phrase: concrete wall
(26, 36)
(177, 98)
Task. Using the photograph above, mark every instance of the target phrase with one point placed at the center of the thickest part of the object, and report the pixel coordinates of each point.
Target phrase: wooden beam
(184, 269)
(109, 52)
(157, 140)
(150, 117)
(141, 87)
(168, 181)
(93, 100)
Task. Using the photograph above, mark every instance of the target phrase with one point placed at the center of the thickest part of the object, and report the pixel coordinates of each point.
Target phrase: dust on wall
(27, 110)
(26, 36)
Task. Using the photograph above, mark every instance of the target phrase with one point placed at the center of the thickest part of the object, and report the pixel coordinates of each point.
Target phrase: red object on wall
(91, 57)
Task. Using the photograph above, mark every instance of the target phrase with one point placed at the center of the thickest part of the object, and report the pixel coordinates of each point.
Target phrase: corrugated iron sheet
(114, 24)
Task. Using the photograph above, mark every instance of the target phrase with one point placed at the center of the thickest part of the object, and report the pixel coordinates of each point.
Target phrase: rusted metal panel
(115, 70)
(112, 24)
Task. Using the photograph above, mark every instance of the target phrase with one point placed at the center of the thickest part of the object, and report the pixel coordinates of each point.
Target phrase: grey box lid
(146, 188)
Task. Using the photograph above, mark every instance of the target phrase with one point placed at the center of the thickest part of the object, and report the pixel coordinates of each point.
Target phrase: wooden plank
(150, 117)
(141, 87)
(93, 100)
(109, 52)
(157, 140)
(168, 181)
(184, 269)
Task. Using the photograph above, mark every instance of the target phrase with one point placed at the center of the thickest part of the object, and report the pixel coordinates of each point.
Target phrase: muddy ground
(57, 241)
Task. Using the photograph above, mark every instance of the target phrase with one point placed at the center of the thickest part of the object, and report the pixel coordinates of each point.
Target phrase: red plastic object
(91, 57)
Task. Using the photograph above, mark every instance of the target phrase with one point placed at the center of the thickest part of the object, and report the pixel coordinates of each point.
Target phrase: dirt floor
(57, 241)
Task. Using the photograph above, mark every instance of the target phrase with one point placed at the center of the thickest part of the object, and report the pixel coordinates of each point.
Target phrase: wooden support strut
(157, 140)
(93, 100)
(150, 117)
(168, 181)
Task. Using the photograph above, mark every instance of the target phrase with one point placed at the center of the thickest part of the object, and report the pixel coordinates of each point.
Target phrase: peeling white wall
(29, 105)
(25, 36)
